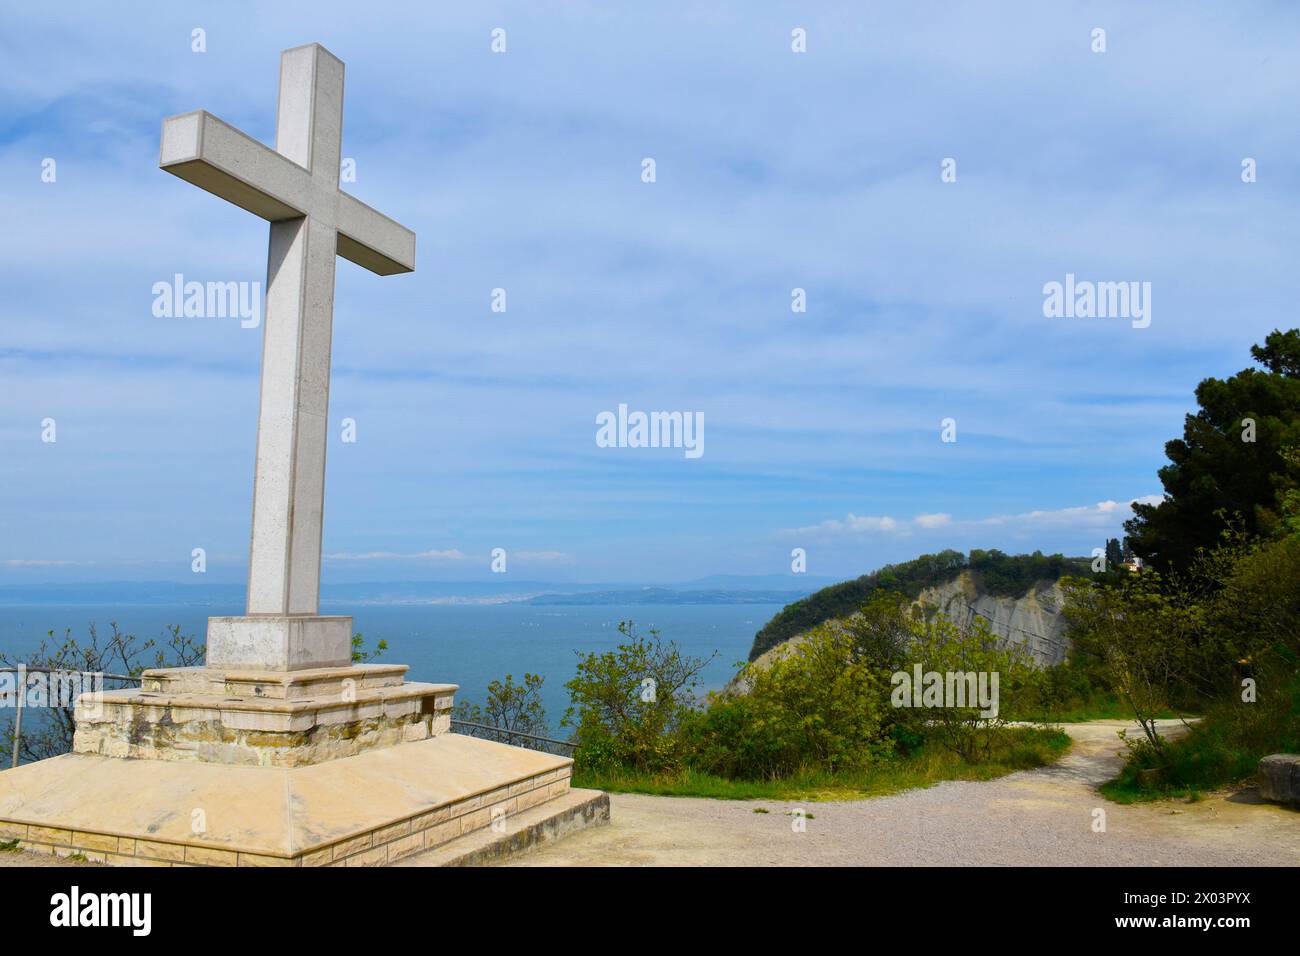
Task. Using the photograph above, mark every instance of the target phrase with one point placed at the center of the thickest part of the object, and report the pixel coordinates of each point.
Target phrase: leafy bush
(629, 703)
(821, 706)
(1221, 749)
(1074, 690)
(1147, 636)
(944, 647)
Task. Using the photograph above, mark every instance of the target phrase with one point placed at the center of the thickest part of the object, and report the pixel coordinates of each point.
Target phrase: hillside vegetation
(1003, 575)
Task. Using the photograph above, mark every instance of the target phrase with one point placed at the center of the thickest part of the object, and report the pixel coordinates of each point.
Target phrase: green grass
(8, 846)
(1222, 750)
(1104, 707)
(1014, 749)
(1125, 791)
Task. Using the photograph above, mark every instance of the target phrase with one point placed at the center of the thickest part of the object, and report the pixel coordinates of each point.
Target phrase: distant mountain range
(671, 596)
(715, 589)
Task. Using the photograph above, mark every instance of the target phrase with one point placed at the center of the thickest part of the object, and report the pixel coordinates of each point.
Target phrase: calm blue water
(467, 645)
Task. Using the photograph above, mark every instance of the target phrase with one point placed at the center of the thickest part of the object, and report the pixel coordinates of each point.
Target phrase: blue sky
(522, 171)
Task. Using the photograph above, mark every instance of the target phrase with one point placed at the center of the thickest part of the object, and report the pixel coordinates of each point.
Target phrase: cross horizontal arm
(372, 240)
(215, 156)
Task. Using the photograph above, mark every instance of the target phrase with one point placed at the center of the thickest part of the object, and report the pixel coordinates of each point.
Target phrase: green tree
(629, 704)
(941, 645)
(1151, 636)
(510, 707)
(880, 632)
(1231, 462)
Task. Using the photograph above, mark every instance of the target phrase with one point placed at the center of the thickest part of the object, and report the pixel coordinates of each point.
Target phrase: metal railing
(20, 694)
(502, 735)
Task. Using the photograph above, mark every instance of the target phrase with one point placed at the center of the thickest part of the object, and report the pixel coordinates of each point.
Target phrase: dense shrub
(944, 647)
(820, 706)
(628, 704)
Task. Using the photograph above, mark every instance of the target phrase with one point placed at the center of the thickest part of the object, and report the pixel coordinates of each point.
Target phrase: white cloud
(937, 520)
(542, 556)
(1104, 516)
(1101, 514)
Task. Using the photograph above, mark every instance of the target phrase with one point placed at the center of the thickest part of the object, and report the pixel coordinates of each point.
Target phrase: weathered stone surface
(1279, 778)
(261, 719)
(279, 642)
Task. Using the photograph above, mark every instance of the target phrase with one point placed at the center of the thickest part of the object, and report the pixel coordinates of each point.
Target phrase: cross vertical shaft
(295, 187)
(292, 431)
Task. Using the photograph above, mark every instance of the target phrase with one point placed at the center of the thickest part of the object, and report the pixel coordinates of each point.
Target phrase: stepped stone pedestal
(263, 718)
(333, 766)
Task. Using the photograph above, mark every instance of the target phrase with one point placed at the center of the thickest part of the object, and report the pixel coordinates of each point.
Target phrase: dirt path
(1042, 816)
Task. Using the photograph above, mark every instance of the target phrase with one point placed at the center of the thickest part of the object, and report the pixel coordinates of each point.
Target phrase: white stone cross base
(279, 642)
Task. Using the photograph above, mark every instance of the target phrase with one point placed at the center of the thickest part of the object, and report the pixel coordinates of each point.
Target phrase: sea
(465, 644)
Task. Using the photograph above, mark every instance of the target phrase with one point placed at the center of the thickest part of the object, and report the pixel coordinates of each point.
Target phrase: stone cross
(296, 188)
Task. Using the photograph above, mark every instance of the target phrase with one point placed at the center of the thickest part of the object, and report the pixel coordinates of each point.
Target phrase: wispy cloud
(1103, 516)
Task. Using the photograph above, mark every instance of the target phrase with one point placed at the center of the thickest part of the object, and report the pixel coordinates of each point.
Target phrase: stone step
(265, 713)
(519, 832)
(281, 685)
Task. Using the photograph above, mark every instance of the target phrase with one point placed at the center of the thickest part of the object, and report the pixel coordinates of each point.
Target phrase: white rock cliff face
(1033, 620)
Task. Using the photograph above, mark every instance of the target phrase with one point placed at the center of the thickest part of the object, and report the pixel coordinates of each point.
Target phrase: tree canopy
(1234, 463)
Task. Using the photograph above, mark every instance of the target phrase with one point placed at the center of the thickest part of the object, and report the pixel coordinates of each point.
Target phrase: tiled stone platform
(365, 810)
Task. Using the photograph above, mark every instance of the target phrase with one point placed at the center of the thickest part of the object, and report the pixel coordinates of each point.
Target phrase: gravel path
(1042, 816)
